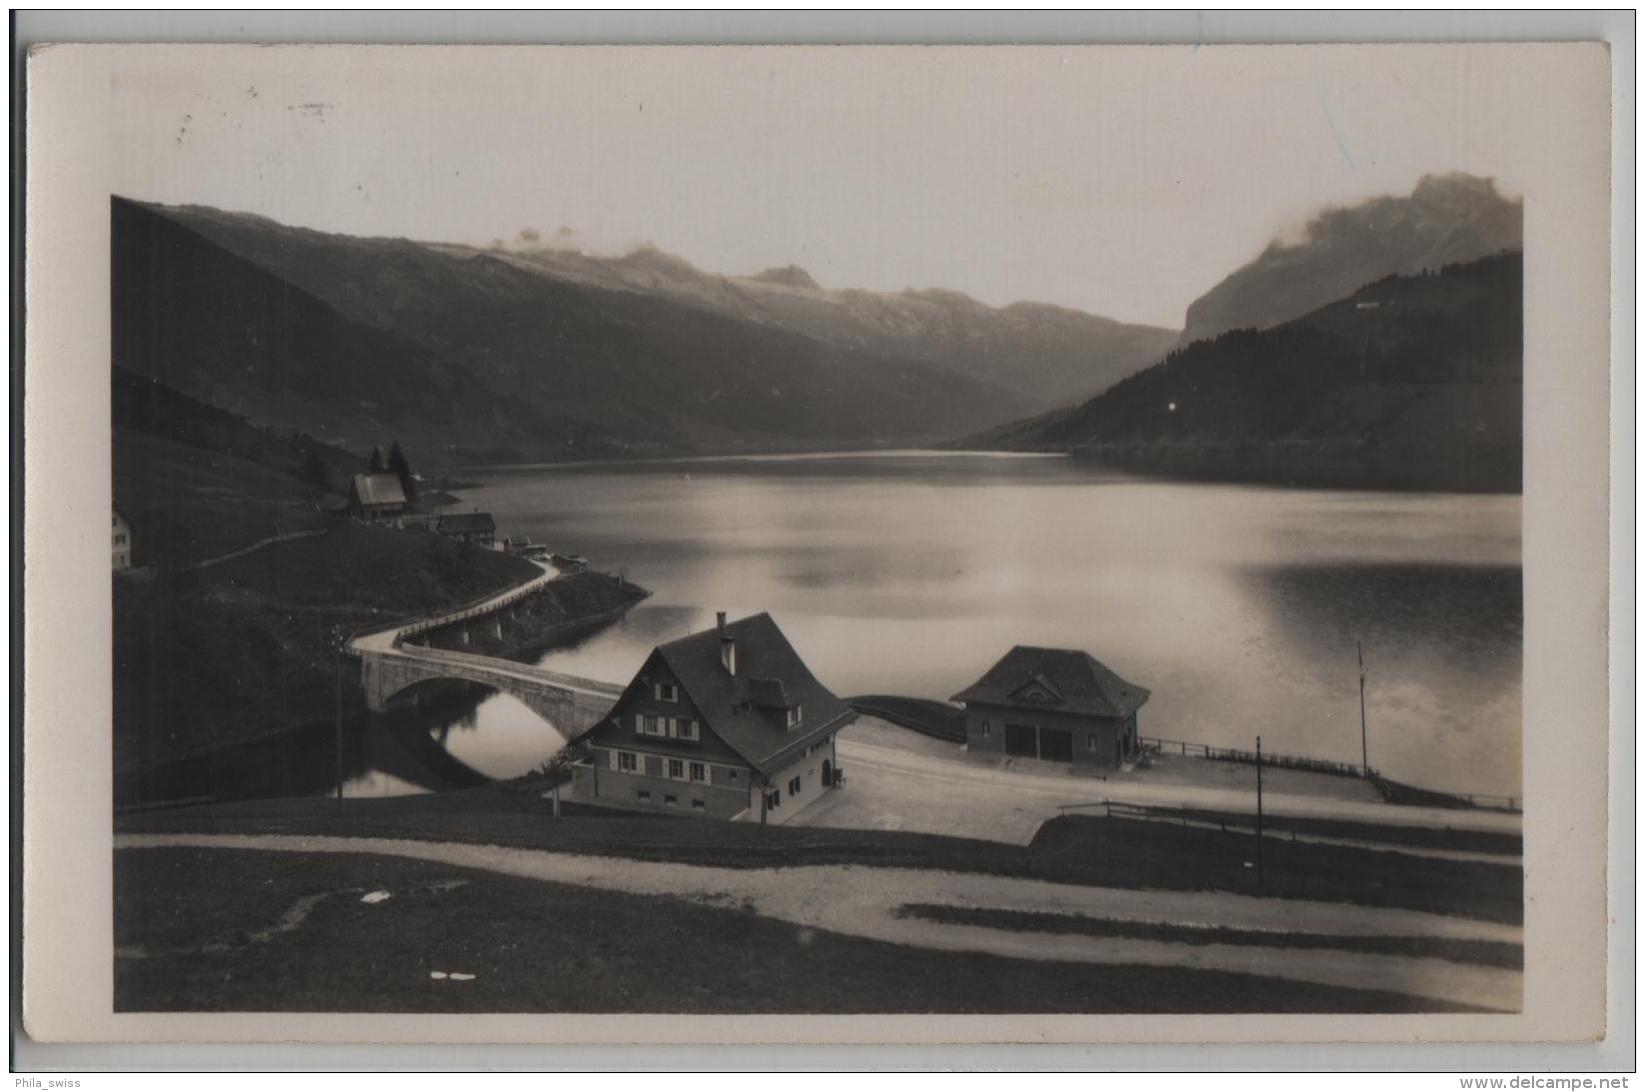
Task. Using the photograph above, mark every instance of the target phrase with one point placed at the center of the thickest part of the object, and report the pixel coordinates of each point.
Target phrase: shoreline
(574, 595)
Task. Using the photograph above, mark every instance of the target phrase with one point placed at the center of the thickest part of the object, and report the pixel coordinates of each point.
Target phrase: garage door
(1056, 746)
(1019, 740)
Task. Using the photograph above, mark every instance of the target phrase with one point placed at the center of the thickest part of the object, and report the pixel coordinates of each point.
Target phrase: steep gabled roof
(1063, 679)
(768, 694)
(736, 707)
(379, 489)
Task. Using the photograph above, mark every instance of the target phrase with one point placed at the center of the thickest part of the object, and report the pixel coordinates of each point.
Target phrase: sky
(1122, 182)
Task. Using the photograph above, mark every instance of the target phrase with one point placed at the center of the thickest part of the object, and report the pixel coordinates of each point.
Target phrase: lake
(911, 572)
(1240, 607)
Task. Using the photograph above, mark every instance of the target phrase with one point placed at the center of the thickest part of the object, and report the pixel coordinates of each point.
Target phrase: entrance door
(1020, 739)
(1056, 746)
(828, 774)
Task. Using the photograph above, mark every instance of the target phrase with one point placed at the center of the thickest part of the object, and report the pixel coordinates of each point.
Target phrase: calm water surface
(910, 573)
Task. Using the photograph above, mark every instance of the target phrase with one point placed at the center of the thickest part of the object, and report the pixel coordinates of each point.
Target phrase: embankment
(562, 610)
(248, 649)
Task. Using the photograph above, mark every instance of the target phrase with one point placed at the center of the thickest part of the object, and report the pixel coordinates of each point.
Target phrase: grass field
(1489, 953)
(1475, 841)
(189, 504)
(1114, 853)
(246, 648)
(1139, 853)
(247, 931)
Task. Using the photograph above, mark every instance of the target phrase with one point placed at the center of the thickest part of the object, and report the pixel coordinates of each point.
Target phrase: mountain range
(491, 355)
(1044, 353)
(1347, 341)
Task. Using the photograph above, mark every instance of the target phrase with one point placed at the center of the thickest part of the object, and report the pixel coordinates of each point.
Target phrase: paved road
(386, 643)
(863, 901)
(890, 788)
(384, 640)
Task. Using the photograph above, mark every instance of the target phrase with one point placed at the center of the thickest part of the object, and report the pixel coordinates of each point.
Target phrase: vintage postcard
(1057, 544)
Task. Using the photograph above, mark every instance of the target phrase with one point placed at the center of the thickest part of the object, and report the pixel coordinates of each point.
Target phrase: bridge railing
(422, 621)
(475, 609)
(509, 668)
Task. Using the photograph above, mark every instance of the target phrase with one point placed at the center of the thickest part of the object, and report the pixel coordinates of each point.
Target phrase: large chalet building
(727, 723)
(1055, 705)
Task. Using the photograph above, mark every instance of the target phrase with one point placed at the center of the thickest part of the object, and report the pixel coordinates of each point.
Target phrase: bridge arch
(569, 704)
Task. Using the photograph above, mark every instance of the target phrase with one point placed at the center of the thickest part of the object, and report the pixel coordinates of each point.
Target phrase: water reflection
(1238, 606)
(1233, 603)
(382, 755)
(501, 737)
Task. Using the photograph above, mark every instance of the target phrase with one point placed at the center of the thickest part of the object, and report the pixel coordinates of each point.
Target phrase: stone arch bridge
(389, 664)
(571, 704)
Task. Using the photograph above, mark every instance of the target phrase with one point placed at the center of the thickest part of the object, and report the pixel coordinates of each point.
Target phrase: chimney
(728, 646)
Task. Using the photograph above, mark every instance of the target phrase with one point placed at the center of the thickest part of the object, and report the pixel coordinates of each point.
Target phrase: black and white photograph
(847, 531)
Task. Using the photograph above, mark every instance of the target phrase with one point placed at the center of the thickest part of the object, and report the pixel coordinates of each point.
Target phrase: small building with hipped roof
(727, 723)
(1055, 705)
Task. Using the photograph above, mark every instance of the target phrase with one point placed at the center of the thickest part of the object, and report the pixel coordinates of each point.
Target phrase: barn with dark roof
(1055, 705)
(479, 528)
(376, 496)
(726, 723)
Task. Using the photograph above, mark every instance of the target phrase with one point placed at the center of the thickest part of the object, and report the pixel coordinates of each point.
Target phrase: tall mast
(1364, 745)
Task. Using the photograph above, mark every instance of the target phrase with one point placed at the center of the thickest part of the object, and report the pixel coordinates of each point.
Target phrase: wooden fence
(1234, 754)
(1393, 791)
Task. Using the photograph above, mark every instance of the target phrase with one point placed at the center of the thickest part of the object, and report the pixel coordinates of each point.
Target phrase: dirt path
(862, 901)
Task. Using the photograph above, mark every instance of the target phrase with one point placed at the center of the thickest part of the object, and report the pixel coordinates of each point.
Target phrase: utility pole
(1364, 744)
(338, 652)
(1259, 813)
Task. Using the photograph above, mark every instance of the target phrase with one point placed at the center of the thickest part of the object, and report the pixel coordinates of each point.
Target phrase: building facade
(122, 543)
(727, 723)
(1053, 705)
(476, 528)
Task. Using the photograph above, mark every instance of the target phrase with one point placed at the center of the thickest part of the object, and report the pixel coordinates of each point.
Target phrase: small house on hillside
(534, 551)
(122, 544)
(1054, 704)
(474, 527)
(727, 723)
(374, 497)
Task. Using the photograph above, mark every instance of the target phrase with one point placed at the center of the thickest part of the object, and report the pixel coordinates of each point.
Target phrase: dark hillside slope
(1412, 382)
(469, 355)
(202, 322)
